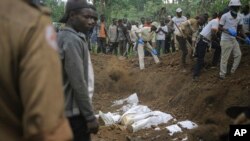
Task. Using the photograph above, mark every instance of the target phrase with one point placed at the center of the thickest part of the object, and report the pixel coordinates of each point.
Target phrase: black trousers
(217, 53)
(200, 51)
(101, 45)
(79, 127)
(183, 46)
(167, 45)
(114, 48)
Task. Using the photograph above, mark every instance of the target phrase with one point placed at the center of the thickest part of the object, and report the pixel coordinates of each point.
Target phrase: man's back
(30, 76)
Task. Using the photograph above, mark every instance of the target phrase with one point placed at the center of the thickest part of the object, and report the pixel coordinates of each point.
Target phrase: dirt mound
(165, 87)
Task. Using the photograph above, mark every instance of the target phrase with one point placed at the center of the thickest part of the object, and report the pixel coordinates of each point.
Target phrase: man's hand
(93, 126)
(140, 41)
(232, 32)
(154, 51)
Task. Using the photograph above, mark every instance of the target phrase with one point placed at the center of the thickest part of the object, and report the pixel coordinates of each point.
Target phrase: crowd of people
(47, 81)
(173, 33)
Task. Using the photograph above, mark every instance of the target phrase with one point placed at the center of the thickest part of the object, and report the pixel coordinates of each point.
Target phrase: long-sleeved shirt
(75, 60)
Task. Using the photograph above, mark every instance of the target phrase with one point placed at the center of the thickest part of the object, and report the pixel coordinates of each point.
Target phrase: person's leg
(111, 48)
(226, 49)
(126, 53)
(129, 49)
(167, 45)
(79, 128)
(173, 43)
(103, 44)
(237, 56)
(140, 51)
(158, 46)
(176, 43)
(162, 47)
(125, 47)
(98, 45)
(201, 51)
(115, 48)
(150, 48)
(183, 48)
(120, 47)
(135, 48)
(217, 53)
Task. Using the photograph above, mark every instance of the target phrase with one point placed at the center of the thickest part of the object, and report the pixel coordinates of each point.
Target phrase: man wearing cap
(230, 22)
(31, 92)
(176, 21)
(147, 35)
(77, 69)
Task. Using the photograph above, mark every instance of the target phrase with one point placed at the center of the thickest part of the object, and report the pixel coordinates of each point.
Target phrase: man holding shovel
(187, 29)
(229, 23)
(147, 35)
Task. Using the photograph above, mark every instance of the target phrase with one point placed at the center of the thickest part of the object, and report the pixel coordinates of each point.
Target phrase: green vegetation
(57, 8)
(134, 9)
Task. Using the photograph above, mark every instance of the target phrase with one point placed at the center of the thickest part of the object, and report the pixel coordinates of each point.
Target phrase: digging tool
(192, 48)
(238, 37)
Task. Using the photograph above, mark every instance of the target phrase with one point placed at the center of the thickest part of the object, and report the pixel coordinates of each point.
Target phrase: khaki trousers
(141, 54)
(228, 47)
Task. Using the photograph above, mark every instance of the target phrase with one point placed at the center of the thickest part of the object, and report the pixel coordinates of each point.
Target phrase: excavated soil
(166, 88)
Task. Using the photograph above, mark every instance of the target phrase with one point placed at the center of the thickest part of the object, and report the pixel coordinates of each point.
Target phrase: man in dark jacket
(77, 69)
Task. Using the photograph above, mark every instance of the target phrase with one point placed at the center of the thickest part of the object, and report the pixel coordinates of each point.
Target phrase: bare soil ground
(166, 88)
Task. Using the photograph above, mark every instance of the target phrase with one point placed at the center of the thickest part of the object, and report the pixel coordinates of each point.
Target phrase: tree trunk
(102, 6)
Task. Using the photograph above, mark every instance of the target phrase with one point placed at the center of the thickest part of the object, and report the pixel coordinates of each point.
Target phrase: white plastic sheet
(136, 117)
(109, 118)
(187, 124)
(132, 100)
(173, 129)
(152, 118)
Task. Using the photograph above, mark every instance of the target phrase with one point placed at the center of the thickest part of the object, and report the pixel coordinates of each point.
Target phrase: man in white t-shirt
(228, 25)
(207, 34)
(176, 21)
(161, 32)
